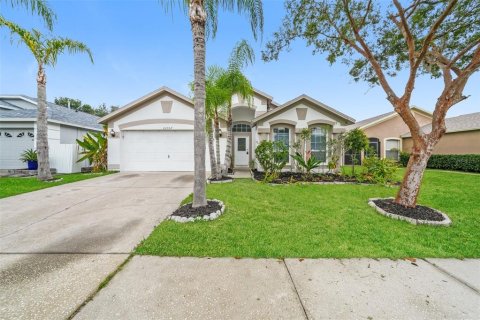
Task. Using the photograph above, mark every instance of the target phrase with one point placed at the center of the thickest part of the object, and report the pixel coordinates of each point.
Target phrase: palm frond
(56, 46)
(39, 7)
(30, 39)
(242, 54)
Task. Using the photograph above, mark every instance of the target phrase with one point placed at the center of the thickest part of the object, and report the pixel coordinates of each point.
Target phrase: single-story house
(155, 132)
(18, 116)
(462, 136)
(385, 132)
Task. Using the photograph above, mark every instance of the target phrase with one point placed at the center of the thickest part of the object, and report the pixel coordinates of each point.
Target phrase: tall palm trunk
(197, 20)
(228, 151)
(218, 173)
(211, 149)
(42, 127)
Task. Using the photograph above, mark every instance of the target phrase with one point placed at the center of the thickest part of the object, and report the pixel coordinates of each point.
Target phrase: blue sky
(138, 47)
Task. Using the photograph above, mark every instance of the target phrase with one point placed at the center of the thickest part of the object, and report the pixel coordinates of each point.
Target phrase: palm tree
(39, 7)
(216, 99)
(46, 51)
(203, 16)
(235, 82)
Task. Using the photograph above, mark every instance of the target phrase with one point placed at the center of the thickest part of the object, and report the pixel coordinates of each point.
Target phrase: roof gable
(302, 98)
(142, 100)
(369, 122)
(465, 122)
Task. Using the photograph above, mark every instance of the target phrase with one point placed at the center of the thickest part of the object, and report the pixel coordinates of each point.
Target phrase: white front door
(241, 151)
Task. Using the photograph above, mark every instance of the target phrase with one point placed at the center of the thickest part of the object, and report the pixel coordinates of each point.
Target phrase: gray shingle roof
(368, 120)
(466, 122)
(57, 113)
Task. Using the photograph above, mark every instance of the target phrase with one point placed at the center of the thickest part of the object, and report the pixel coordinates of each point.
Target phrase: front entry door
(241, 151)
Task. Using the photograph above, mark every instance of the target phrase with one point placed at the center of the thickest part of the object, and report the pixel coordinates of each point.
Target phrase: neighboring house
(384, 132)
(155, 132)
(462, 136)
(18, 116)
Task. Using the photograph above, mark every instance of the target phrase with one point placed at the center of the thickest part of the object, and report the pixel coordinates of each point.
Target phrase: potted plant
(30, 157)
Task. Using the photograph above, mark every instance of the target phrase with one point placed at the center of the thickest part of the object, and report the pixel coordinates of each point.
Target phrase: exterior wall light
(112, 132)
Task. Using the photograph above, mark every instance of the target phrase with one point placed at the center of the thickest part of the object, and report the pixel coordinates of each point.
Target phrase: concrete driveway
(58, 244)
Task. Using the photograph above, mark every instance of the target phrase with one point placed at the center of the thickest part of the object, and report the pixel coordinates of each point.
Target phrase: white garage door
(156, 151)
(12, 144)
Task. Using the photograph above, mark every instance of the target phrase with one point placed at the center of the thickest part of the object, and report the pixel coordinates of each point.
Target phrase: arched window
(282, 134)
(241, 127)
(392, 149)
(374, 147)
(318, 143)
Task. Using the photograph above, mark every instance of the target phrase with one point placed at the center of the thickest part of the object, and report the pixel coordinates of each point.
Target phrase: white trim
(385, 146)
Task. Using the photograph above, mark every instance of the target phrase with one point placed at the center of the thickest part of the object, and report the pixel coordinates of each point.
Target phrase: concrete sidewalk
(225, 288)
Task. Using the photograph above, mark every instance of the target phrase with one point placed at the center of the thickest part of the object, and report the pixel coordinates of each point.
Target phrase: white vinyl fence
(63, 157)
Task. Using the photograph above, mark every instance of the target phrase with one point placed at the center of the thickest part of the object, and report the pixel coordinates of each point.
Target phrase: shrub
(456, 162)
(94, 147)
(307, 164)
(379, 170)
(404, 157)
(272, 157)
(28, 155)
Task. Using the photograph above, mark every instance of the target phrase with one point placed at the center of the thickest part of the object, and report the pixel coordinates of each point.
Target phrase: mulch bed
(292, 177)
(186, 211)
(419, 212)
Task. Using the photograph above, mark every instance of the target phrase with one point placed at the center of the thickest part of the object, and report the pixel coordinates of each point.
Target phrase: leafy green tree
(377, 40)
(203, 15)
(46, 51)
(356, 141)
(101, 110)
(74, 104)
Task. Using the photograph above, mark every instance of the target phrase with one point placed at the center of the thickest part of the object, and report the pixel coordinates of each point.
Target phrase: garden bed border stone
(211, 216)
(444, 223)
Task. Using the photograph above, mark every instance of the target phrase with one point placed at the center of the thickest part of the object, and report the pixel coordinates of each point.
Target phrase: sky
(139, 47)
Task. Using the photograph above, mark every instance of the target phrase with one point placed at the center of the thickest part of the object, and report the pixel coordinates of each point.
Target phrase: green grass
(325, 221)
(11, 186)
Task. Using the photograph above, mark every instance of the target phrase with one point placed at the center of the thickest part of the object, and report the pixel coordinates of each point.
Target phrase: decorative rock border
(445, 222)
(221, 181)
(211, 216)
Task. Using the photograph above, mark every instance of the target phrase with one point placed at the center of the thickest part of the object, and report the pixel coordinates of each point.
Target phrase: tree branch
(367, 53)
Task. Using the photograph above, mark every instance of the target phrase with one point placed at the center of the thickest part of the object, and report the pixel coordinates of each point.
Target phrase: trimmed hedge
(458, 162)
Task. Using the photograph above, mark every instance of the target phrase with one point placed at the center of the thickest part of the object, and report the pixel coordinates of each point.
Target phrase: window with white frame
(318, 143)
(392, 149)
(283, 135)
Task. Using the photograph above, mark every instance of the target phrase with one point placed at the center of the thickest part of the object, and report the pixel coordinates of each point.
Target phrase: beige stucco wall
(392, 128)
(467, 142)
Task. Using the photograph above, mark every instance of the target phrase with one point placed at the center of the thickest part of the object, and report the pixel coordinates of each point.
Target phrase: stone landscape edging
(444, 223)
(212, 216)
(221, 181)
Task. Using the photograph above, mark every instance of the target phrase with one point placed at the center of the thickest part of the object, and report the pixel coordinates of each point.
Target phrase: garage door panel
(157, 151)
(13, 142)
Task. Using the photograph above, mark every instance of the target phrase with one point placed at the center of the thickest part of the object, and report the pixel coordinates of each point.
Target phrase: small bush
(272, 157)
(455, 162)
(378, 170)
(404, 157)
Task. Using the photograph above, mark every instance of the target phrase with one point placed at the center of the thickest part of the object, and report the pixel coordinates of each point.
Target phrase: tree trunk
(412, 179)
(218, 174)
(42, 127)
(211, 149)
(197, 19)
(228, 151)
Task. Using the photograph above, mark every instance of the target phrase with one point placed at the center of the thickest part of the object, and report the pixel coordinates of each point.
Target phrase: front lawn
(11, 186)
(331, 221)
